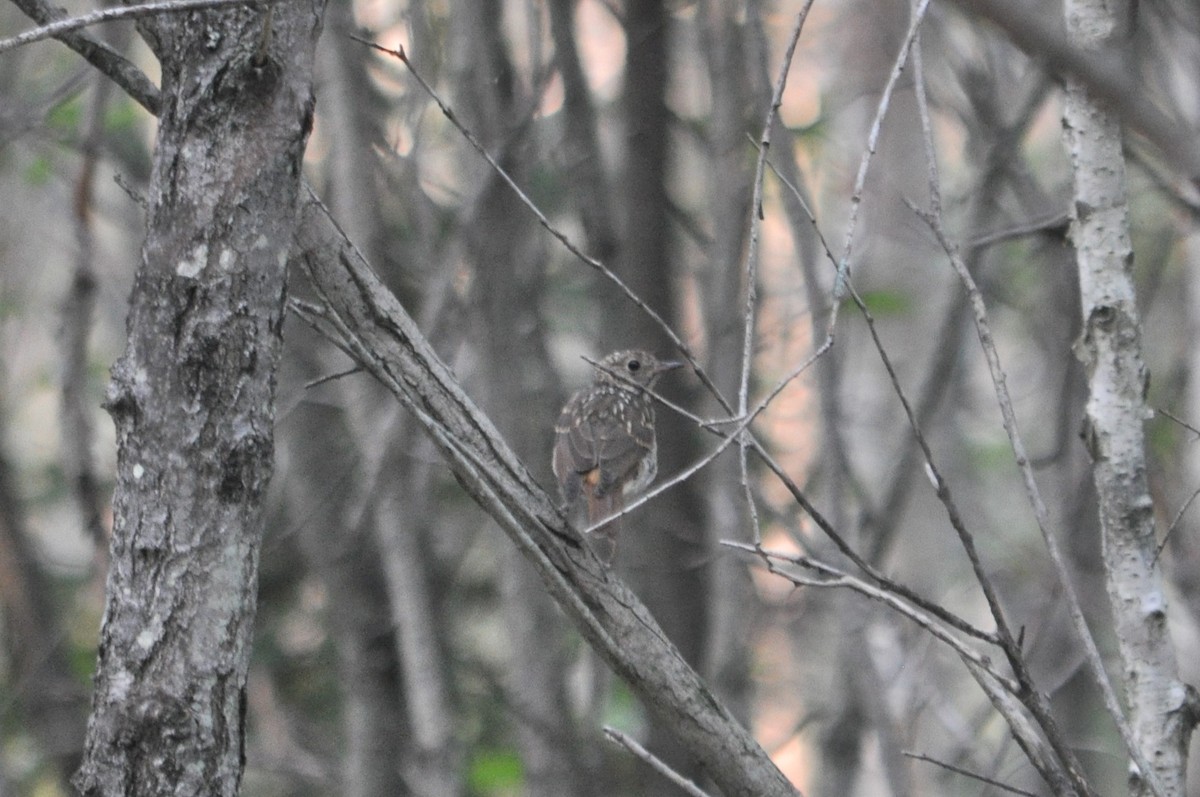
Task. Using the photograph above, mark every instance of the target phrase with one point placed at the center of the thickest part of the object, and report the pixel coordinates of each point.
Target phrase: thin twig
(560, 236)
(1052, 221)
(1174, 523)
(1041, 515)
(660, 766)
(59, 27)
(841, 282)
(1179, 421)
(121, 70)
(834, 577)
(320, 380)
(756, 216)
(968, 773)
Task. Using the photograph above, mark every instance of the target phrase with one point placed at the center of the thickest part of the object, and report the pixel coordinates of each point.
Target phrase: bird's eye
(634, 366)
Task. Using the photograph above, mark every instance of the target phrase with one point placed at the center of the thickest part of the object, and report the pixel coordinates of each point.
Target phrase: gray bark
(192, 398)
(1162, 708)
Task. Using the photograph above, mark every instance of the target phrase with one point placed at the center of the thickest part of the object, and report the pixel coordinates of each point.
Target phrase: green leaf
(65, 116)
(494, 771)
(39, 171)
(121, 117)
(885, 303)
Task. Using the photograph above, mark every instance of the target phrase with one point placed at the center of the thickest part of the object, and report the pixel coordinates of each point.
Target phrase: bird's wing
(595, 433)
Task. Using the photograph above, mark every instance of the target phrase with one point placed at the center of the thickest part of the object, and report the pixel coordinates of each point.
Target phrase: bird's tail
(604, 538)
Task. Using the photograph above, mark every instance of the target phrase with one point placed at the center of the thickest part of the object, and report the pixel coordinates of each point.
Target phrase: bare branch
(121, 70)
(1179, 421)
(831, 576)
(842, 282)
(756, 215)
(969, 774)
(380, 334)
(660, 766)
(62, 26)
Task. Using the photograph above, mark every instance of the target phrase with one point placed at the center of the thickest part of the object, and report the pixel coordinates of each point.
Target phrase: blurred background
(403, 646)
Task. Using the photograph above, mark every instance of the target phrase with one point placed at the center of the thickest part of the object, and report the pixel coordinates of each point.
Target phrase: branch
(756, 214)
(1107, 77)
(1002, 692)
(833, 577)
(660, 766)
(58, 28)
(373, 326)
(121, 70)
(969, 774)
(841, 283)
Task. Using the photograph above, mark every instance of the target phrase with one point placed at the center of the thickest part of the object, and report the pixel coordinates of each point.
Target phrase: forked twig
(830, 576)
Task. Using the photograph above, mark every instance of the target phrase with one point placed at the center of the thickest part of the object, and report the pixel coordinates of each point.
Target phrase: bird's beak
(669, 365)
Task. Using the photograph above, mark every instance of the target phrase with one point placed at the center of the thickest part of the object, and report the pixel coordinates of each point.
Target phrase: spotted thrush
(604, 447)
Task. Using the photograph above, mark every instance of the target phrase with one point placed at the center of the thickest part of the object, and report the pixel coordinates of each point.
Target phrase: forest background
(927, 520)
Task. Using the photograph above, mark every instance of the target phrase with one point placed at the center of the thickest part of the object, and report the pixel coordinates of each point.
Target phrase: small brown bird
(604, 446)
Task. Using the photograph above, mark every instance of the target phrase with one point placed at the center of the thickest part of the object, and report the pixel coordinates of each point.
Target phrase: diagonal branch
(1004, 693)
(374, 327)
(842, 281)
(660, 766)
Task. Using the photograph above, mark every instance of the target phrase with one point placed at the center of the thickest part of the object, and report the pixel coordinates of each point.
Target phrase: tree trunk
(1160, 705)
(665, 543)
(192, 398)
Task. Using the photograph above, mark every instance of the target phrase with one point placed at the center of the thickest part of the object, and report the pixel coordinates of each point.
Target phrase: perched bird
(604, 444)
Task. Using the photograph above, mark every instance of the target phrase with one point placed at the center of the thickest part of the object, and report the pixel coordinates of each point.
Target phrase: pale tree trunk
(1161, 707)
(193, 401)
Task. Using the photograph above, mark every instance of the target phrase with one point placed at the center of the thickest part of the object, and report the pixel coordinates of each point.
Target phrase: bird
(604, 443)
